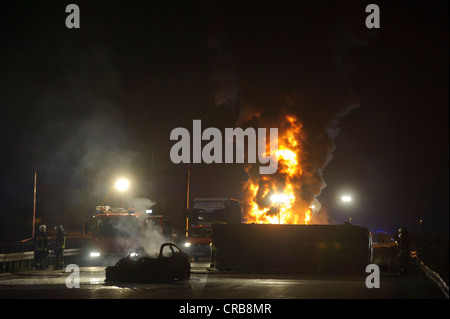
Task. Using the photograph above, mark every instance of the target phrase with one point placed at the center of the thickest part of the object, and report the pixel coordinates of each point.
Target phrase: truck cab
(198, 242)
(117, 232)
(204, 213)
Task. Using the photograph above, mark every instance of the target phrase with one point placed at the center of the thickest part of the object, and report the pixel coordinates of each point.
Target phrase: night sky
(85, 106)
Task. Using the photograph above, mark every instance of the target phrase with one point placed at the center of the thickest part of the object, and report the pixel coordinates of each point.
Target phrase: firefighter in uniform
(60, 244)
(41, 248)
(405, 250)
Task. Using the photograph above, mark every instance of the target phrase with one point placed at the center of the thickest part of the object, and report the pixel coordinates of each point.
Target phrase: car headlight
(187, 245)
(95, 254)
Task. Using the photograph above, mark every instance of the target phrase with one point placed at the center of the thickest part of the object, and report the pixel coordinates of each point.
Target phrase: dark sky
(82, 106)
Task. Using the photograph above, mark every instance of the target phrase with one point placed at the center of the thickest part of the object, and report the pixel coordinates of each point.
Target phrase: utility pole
(34, 204)
(187, 187)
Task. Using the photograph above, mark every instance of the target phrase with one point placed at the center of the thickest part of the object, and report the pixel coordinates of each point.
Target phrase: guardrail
(434, 276)
(13, 262)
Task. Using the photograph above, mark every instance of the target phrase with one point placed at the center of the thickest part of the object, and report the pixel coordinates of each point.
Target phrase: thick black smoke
(275, 58)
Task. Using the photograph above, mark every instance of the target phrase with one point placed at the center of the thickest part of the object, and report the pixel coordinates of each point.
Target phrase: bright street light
(122, 184)
(346, 198)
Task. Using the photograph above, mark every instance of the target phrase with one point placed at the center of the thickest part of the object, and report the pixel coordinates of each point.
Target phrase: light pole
(122, 184)
(347, 199)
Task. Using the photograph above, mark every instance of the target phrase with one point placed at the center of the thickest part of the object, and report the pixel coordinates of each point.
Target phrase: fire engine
(204, 213)
(116, 232)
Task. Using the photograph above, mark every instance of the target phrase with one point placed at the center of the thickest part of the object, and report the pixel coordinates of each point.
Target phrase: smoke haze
(274, 60)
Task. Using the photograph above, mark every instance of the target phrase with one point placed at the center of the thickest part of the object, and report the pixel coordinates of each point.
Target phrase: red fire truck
(116, 232)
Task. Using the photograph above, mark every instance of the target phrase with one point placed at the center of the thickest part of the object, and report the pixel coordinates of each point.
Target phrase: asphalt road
(205, 284)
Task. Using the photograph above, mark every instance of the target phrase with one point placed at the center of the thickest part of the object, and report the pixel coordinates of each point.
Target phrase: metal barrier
(13, 262)
(434, 276)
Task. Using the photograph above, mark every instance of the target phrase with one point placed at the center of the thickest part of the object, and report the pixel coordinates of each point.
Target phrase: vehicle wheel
(183, 275)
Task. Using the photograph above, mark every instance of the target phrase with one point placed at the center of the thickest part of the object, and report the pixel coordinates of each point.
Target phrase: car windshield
(200, 232)
(203, 216)
(123, 226)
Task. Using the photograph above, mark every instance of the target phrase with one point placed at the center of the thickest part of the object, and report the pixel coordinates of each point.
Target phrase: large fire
(272, 199)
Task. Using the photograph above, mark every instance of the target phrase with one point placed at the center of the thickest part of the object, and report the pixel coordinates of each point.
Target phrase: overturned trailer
(296, 248)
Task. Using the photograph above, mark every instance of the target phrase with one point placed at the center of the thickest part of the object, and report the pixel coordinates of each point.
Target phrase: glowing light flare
(280, 198)
(346, 198)
(122, 184)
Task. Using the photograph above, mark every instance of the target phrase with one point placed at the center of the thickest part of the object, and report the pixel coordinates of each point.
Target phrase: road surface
(206, 284)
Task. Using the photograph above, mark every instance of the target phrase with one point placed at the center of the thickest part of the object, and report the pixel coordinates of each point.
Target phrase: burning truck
(284, 230)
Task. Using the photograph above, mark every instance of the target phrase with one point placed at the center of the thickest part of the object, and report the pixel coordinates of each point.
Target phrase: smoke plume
(273, 60)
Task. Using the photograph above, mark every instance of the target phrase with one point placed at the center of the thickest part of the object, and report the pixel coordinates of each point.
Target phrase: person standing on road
(405, 250)
(60, 245)
(41, 248)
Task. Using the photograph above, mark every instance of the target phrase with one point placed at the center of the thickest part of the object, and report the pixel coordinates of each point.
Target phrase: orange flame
(271, 199)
